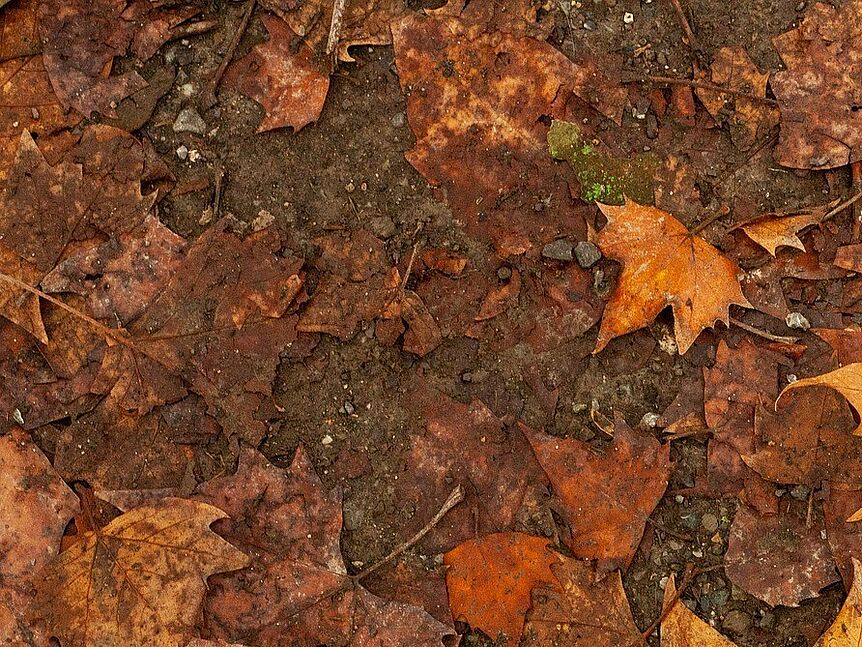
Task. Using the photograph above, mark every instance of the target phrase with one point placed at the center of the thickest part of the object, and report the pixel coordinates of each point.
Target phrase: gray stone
(504, 273)
(587, 254)
(799, 492)
(559, 250)
(797, 321)
(349, 408)
(183, 152)
(399, 119)
(736, 622)
(709, 522)
(189, 121)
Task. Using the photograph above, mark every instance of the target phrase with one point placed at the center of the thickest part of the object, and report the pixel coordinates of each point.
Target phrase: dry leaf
(841, 511)
(681, 628)
(847, 380)
(139, 580)
(849, 257)
(775, 230)
(35, 506)
(846, 629)
(490, 581)
(605, 498)
(664, 265)
(846, 344)
(587, 612)
(817, 93)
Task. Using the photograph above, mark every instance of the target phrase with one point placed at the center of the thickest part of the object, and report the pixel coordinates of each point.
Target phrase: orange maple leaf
(847, 380)
(664, 265)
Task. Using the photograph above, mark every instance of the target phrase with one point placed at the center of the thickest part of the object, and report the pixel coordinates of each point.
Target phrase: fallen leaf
(846, 344)
(846, 629)
(775, 230)
(490, 581)
(582, 610)
(849, 257)
(664, 265)
(847, 380)
(139, 580)
(35, 506)
(283, 77)
(444, 261)
(749, 120)
(779, 559)
(606, 498)
(680, 627)
(841, 505)
(500, 298)
(819, 86)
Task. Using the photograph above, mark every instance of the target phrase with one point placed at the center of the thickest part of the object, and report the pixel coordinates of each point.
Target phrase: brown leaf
(775, 230)
(681, 628)
(498, 299)
(466, 445)
(285, 78)
(606, 498)
(849, 257)
(841, 505)
(588, 611)
(490, 581)
(444, 261)
(779, 558)
(664, 265)
(846, 629)
(111, 587)
(35, 506)
(473, 95)
(822, 56)
(749, 120)
(846, 344)
(847, 380)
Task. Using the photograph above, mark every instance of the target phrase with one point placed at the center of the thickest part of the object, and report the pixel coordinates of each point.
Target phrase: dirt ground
(346, 401)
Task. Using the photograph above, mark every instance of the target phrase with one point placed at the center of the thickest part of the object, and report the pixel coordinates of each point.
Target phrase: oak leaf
(490, 581)
(35, 506)
(682, 628)
(582, 610)
(664, 265)
(139, 580)
(605, 498)
(847, 380)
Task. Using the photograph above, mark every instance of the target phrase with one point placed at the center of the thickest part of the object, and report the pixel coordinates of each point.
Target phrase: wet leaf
(775, 230)
(490, 581)
(139, 580)
(849, 257)
(847, 380)
(664, 265)
(681, 628)
(606, 498)
(35, 506)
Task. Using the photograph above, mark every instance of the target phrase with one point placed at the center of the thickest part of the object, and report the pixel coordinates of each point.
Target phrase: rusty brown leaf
(847, 380)
(775, 230)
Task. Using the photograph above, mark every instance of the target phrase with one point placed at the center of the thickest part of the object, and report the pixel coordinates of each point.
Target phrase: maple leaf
(847, 380)
(490, 581)
(822, 58)
(139, 580)
(582, 609)
(775, 230)
(35, 506)
(664, 265)
(473, 95)
(605, 498)
(748, 119)
(846, 629)
(682, 628)
(779, 558)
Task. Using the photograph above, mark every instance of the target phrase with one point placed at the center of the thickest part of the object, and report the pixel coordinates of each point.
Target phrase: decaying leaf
(846, 343)
(775, 230)
(664, 265)
(605, 498)
(820, 89)
(779, 558)
(490, 581)
(139, 580)
(582, 610)
(35, 506)
(846, 629)
(681, 628)
(849, 257)
(847, 380)
(841, 506)
(749, 120)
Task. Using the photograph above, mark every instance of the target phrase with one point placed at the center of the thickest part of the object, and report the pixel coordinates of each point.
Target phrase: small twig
(687, 578)
(218, 181)
(668, 531)
(763, 333)
(686, 27)
(455, 497)
(409, 267)
(686, 434)
(207, 98)
(841, 207)
(670, 80)
(335, 25)
(716, 215)
(193, 29)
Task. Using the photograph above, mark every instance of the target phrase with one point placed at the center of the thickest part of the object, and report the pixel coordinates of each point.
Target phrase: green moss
(603, 178)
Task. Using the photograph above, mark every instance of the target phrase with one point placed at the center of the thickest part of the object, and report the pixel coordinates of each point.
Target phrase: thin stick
(704, 85)
(687, 577)
(841, 207)
(856, 177)
(409, 267)
(686, 27)
(455, 497)
(193, 29)
(335, 25)
(763, 333)
(207, 98)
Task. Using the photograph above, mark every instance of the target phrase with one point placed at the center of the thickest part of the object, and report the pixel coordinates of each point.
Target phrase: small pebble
(349, 408)
(17, 417)
(194, 155)
(467, 376)
(327, 440)
(398, 119)
(628, 18)
(504, 273)
(559, 250)
(189, 121)
(183, 152)
(799, 492)
(709, 522)
(587, 254)
(650, 420)
(797, 321)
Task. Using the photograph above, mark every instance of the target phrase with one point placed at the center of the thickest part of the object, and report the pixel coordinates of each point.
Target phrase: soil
(348, 171)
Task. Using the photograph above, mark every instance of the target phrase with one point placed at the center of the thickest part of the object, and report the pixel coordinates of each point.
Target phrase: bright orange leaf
(847, 380)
